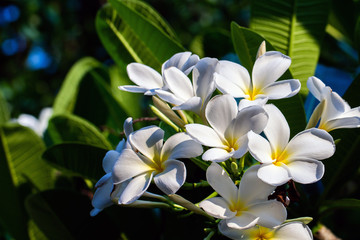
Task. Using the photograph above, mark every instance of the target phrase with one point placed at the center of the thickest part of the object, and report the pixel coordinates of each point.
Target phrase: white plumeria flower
(105, 185)
(227, 135)
(296, 159)
(148, 80)
(38, 125)
(243, 207)
(286, 231)
(234, 79)
(333, 111)
(153, 160)
(187, 96)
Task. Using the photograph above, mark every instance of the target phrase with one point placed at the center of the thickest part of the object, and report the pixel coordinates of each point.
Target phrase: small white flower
(182, 93)
(148, 80)
(296, 159)
(105, 185)
(153, 160)
(243, 207)
(38, 125)
(234, 79)
(333, 111)
(286, 231)
(227, 135)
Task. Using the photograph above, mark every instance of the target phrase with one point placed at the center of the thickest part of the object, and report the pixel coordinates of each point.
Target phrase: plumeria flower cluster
(223, 131)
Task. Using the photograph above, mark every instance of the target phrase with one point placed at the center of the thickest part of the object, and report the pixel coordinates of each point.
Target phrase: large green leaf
(346, 161)
(295, 28)
(86, 92)
(76, 158)
(70, 128)
(21, 169)
(4, 111)
(133, 31)
(246, 43)
(329, 206)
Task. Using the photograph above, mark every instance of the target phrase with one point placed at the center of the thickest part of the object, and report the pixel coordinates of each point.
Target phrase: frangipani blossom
(333, 111)
(232, 78)
(227, 135)
(187, 96)
(243, 207)
(105, 185)
(38, 125)
(148, 80)
(296, 159)
(286, 231)
(153, 160)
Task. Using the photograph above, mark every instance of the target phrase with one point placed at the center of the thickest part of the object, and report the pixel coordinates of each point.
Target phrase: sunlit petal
(217, 207)
(217, 155)
(148, 140)
(180, 145)
(306, 172)
(172, 178)
(282, 89)
(274, 175)
(204, 135)
(259, 148)
(136, 187)
(144, 76)
(271, 213)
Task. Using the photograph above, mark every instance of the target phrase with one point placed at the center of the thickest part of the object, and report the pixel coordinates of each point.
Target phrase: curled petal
(183, 61)
(244, 221)
(268, 68)
(217, 207)
(306, 172)
(101, 197)
(259, 148)
(135, 89)
(192, 104)
(312, 143)
(172, 178)
(203, 79)
(135, 188)
(217, 155)
(178, 83)
(274, 175)
(293, 231)
(282, 89)
(344, 122)
(169, 97)
(335, 107)
(316, 87)
(148, 140)
(144, 76)
(220, 181)
(180, 145)
(128, 126)
(109, 160)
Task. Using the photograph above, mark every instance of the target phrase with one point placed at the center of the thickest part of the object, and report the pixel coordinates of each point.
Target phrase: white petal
(293, 231)
(231, 232)
(282, 89)
(312, 143)
(192, 104)
(316, 87)
(271, 213)
(335, 106)
(251, 188)
(128, 126)
(232, 78)
(277, 129)
(121, 146)
(203, 79)
(144, 76)
(148, 140)
(220, 181)
(216, 155)
(244, 221)
(172, 178)
(274, 175)
(29, 121)
(204, 135)
(259, 148)
(220, 111)
(129, 165)
(136, 187)
(306, 172)
(178, 83)
(217, 207)
(101, 197)
(247, 103)
(183, 61)
(180, 145)
(252, 118)
(110, 159)
(169, 97)
(133, 88)
(242, 144)
(268, 68)
(347, 122)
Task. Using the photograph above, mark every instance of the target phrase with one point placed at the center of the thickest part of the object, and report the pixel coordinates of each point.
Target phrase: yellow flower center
(261, 233)
(238, 207)
(279, 157)
(253, 93)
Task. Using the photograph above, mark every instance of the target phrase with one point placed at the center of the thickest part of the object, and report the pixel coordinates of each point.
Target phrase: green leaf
(295, 28)
(344, 164)
(76, 158)
(133, 31)
(329, 206)
(70, 128)
(21, 169)
(4, 111)
(246, 43)
(34, 232)
(87, 87)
